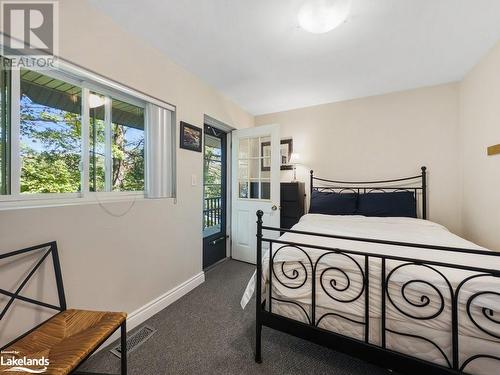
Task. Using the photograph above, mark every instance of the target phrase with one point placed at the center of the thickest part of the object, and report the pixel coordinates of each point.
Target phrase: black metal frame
(328, 279)
(50, 248)
(409, 184)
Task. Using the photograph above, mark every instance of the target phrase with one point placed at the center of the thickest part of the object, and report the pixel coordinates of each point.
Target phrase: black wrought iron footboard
(469, 306)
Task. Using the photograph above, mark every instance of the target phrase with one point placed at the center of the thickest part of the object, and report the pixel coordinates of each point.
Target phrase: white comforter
(343, 280)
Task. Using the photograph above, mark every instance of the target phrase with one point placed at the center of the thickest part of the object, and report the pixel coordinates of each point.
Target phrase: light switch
(193, 180)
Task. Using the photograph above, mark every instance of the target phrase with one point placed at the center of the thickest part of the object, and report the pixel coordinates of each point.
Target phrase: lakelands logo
(30, 33)
(15, 363)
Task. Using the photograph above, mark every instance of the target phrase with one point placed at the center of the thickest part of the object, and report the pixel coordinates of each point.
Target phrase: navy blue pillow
(329, 203)
(396, 204)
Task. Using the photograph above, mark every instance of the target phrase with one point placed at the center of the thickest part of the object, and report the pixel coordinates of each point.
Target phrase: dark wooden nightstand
(292, 203)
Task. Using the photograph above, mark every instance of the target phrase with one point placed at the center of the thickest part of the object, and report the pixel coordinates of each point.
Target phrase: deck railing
(212, 212)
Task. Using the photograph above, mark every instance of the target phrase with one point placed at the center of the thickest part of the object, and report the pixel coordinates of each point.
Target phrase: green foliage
(128, 160)
(50, 149)
(97, 167)
(4, 158)
(44, 173)
(212, 173)
(51, 152)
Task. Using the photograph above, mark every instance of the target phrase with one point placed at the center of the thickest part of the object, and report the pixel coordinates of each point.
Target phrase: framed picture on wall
(191, 137)
(286, 149)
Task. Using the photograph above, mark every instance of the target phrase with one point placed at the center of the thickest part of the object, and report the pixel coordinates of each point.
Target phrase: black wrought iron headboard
(416, 184)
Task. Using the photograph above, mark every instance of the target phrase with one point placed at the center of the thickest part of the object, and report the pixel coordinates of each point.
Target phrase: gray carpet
(207, 332)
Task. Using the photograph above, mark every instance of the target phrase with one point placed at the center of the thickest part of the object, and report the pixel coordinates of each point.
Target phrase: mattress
(419, 298)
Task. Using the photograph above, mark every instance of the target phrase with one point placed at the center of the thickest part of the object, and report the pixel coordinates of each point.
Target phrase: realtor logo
(25, 365)
(29, 32)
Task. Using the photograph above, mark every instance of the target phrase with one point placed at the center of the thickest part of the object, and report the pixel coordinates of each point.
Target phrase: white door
(255, 186)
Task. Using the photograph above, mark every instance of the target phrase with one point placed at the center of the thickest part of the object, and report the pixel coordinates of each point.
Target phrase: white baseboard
(153, 307)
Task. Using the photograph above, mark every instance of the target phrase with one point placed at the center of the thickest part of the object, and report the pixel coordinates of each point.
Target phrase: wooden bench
(68, 338)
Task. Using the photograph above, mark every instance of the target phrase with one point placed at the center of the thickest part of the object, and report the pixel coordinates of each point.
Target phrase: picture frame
(191, 137)
(286, 150)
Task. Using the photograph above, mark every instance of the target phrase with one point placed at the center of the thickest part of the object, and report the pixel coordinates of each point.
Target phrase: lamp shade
(295, 158)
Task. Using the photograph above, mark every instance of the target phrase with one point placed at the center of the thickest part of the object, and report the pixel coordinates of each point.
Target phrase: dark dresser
(292, 203)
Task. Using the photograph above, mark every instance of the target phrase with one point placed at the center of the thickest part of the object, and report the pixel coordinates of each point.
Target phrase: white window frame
(88, 82)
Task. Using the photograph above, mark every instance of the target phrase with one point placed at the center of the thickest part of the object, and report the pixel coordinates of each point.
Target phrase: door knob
(274, 208)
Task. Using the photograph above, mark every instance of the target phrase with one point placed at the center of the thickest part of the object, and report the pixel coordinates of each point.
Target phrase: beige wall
(480, 128)
(121, 263)
(383, 136)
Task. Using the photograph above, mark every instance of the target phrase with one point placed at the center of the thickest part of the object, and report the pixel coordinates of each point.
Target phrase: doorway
(255, 163)
(214, 196)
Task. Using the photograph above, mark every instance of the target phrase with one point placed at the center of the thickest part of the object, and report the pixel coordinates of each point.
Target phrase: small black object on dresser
(292, 203)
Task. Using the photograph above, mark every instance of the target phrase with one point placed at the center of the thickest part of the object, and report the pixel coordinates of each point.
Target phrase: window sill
(71, 199)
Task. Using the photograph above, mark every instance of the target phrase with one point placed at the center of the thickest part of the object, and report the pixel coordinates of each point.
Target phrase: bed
(401, 292)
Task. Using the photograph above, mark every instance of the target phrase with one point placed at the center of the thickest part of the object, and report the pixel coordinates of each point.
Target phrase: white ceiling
(254, 52)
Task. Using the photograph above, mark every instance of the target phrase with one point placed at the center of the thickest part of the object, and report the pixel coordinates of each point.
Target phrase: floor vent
(135, 340)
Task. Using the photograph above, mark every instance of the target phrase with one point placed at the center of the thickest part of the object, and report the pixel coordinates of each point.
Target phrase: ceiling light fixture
(322, 16)
(95, 100)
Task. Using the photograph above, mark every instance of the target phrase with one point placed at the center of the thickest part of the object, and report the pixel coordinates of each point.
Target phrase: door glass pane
(254, 169)
(243, 169)
(127, 146)
(243, 149)
(243, 189)
(50, 134)
(96, 142)
(254, 189)
(266, 168)
(265, 189)
(266, 141)
(254, 147)
(265, 174)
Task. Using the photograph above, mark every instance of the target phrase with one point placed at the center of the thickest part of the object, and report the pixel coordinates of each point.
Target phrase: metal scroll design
(485, 318)
(337, 283)
(425, 300)
(295, 274)
(427, 303)
(292, 275)
(423, 293)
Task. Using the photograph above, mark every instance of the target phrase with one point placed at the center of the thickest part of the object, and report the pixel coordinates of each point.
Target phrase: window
(50, 134)
(51, 147)
(51, 139)
(97, 151)
(116, 147)
(127, 147)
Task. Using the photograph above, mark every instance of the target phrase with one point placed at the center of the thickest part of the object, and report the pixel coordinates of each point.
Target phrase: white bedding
(291, 265)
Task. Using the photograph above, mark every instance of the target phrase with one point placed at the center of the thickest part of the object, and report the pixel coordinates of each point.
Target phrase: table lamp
(294, 160)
